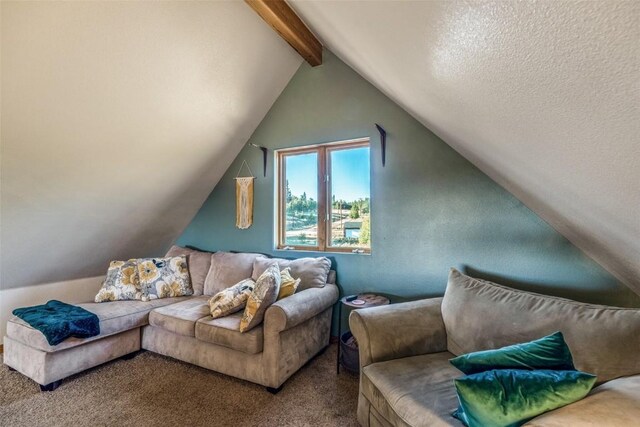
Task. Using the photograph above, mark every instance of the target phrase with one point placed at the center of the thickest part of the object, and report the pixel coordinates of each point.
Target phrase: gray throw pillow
(227, 269)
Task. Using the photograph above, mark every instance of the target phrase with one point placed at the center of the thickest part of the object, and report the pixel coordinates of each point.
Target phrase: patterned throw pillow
(263, 295)
(121, 282)
(288, 284)
(164, 277)
(198, 263)
(232, 299)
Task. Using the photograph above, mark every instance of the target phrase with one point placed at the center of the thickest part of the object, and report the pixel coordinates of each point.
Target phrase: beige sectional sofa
(406, 378)
(294, 329)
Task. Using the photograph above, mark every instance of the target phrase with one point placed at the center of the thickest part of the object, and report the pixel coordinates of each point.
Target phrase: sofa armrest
(295, 309)
(398, 330)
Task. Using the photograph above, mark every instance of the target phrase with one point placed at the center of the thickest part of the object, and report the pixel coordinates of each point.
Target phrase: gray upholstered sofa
(294, 329)
(406, 378)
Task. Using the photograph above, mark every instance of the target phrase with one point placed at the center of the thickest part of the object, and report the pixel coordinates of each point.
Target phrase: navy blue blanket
(59, 321)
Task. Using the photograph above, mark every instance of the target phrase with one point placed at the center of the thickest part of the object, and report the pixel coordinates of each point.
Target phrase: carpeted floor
(152, 390)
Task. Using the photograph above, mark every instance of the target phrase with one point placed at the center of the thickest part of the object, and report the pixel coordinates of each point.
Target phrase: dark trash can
(349, 354)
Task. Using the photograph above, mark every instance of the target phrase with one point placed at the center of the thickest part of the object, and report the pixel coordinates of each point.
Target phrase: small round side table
(370, 300)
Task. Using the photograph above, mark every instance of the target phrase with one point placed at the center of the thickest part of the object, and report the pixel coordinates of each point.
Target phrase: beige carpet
(152, 390)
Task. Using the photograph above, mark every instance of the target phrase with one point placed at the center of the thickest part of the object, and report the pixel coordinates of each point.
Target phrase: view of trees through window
(350, 205)
(301, 205)
(342, 209)
(302, 218)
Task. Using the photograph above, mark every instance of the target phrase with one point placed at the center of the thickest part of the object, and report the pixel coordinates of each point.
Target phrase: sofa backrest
(227, 269)
(313, 272)
(331, 278)
(481, 315)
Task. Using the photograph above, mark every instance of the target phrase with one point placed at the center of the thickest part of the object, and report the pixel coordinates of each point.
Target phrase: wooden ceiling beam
(279, 15)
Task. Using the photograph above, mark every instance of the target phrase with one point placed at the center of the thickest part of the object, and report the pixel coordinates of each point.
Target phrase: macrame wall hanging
(244, 198)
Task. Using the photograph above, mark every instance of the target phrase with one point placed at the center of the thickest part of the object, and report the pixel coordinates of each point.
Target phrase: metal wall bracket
(383, 141)
(264, 158)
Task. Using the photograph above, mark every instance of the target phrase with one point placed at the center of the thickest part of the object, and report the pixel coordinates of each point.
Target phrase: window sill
(322, 252)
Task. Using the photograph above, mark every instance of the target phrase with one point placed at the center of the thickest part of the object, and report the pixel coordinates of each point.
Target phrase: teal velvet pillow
(511, 397)
(550, 352)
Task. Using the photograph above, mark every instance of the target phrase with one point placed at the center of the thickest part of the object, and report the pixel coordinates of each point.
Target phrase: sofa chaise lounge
(406, 378)
(294, 329)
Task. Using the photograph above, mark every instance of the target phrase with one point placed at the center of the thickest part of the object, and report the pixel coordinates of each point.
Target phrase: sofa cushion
(288, 285)
(227, 269)
(616, 403)
(231, 300)
(510, 397)
(264, 293)
(414, 391)
(199, 263)
(225, 331)
(312, 272)
(164, 277)
(331, 277)
(180, 318)
(121, 283)
(481, 315)
(550, 352)
(115, 317)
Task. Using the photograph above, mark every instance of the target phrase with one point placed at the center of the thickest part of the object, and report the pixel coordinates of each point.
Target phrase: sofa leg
(322, 351)
(51, 386)
(274, 390)
(10, 369)
(130, 356)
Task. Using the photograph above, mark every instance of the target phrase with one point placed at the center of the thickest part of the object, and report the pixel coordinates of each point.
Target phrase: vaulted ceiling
(118, 118)
(544, 97)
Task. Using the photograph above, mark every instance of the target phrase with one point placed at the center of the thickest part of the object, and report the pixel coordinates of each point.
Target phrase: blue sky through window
(302, 175)
(350, 174)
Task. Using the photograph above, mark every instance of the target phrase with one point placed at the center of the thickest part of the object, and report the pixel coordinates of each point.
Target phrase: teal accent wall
(431, 208)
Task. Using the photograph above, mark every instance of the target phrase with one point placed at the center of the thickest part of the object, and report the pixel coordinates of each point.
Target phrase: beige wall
(118, 118)
(70, 291)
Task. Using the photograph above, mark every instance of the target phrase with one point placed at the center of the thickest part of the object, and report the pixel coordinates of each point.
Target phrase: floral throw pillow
(164, 277)
(264, 293)
(232, 299)
(121, 282)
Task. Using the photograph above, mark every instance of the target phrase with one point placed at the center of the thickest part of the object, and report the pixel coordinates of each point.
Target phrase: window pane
(301, 192)
(350, 188)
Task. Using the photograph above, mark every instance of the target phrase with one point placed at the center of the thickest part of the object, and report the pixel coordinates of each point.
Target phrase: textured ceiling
(118, 118)
(542, 96)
